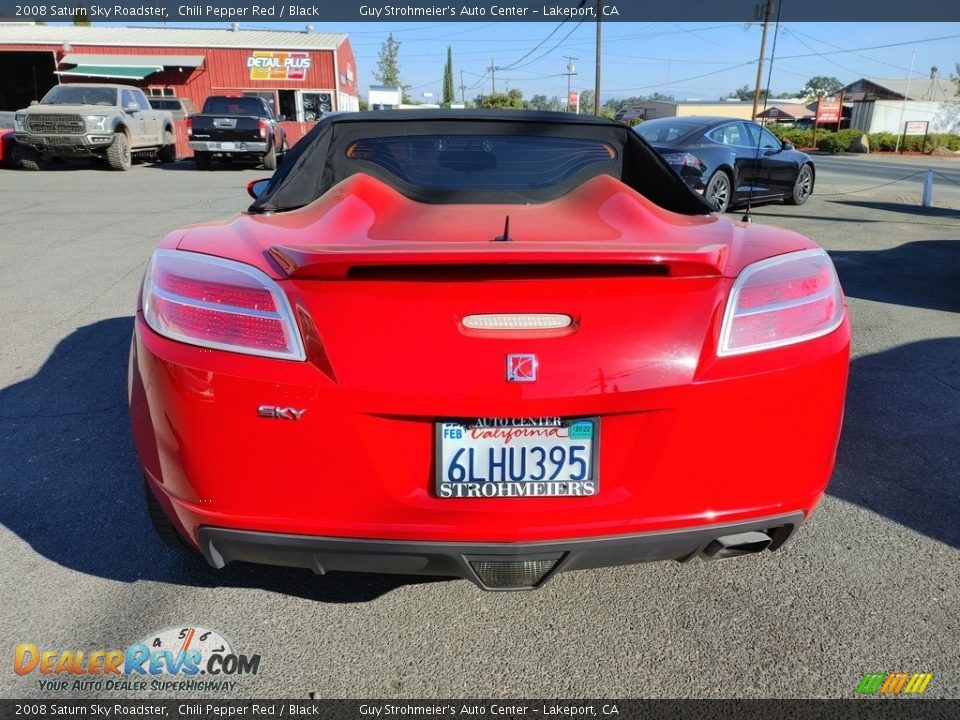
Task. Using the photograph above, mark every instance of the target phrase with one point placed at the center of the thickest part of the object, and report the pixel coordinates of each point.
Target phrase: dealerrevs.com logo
(179, 658)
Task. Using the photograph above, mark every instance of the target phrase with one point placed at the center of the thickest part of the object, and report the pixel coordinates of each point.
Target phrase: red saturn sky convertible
(495, 346)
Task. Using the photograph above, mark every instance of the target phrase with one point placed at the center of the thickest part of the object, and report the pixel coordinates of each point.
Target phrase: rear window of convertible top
(482, 162)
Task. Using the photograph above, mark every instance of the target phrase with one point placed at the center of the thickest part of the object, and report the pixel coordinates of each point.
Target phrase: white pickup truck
(108, 121)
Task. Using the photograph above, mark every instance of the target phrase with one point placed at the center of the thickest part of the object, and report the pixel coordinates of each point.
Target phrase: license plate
(516, 458)
(228, 146)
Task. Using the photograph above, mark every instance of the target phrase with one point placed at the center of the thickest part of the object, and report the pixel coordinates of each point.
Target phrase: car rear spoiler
(331, 262)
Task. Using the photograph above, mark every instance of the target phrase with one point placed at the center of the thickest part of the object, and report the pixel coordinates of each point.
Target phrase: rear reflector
(514, 574)
(538, 321)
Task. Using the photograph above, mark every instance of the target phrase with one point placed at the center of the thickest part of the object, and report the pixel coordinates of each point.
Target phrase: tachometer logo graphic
(894, 683)
(521, 368)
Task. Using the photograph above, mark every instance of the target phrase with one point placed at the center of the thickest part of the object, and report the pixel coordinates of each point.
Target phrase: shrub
(913, 143)
(848, 137)
(882, 141)
(831, 142)
(800, 138)
(950, 142)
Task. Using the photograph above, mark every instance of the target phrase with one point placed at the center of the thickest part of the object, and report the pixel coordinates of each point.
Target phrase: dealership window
(302, 105)
(160, 92)
(288, 104)
(305, 105)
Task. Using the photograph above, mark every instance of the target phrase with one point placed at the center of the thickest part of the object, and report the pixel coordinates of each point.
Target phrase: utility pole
(571, 71)
(767, 13)
(596, 92)
(493, 77)
(463, 90)
(906, 96)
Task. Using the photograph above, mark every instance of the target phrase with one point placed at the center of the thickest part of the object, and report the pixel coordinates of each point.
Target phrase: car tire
(161, 523)
(719, 191)
(202, 159)
(270, 159)
(30, 159)
(118, 154)
(13, 155)
(168, 152)
(802, 187)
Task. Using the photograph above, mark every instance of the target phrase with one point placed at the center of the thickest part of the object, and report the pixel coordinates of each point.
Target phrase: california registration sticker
(521, 368)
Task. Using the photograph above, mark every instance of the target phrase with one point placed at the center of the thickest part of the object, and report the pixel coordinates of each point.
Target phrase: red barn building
(301, 74)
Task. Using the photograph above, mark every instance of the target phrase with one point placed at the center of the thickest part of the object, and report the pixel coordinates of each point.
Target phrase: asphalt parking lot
(872, 584)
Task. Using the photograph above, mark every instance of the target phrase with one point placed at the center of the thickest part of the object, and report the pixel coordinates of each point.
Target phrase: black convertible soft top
(342, 144)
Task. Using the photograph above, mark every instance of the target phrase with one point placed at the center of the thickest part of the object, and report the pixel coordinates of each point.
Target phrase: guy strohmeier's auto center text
(287, 10)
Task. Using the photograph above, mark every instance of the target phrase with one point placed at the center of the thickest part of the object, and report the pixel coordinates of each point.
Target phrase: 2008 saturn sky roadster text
(489, 345)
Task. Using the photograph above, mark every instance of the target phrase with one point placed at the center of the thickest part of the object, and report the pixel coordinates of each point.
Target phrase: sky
(688, 60)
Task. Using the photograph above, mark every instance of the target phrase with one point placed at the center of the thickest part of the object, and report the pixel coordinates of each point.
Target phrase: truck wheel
(202, 159)
(30, 159)
(118, 154)
(270, 159)
(168, 152)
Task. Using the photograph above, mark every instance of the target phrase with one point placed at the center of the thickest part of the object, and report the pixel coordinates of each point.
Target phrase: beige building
(740, 109)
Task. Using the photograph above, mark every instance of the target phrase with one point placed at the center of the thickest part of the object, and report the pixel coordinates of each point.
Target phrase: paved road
(872, 584)
(862, 171)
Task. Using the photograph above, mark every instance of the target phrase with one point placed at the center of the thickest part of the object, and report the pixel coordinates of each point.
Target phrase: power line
(872, 47)
(538, 46)
(794, 32)
(695, 77)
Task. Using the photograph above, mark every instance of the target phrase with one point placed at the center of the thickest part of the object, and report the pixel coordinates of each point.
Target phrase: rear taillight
(220, 304)
(264, 128)
(189, 127)
(682, 159)
(782, 301)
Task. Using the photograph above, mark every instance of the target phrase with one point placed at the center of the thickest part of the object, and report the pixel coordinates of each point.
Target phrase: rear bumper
(221, 546)
(238, 146)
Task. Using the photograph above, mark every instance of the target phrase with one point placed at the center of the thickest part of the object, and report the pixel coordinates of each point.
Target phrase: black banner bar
(855, 709)
(267, 11)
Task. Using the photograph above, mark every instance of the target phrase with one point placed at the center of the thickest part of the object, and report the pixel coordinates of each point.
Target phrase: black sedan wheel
(718, 191)
(802, 188)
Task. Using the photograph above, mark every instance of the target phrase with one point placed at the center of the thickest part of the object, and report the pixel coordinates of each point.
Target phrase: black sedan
(731, 161)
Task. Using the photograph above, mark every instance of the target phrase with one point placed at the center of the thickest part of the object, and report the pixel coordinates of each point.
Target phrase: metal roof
(790, 110)
(922, 88)
(168, 37)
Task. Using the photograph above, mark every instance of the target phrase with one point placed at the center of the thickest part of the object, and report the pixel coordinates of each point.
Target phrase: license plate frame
(228, 146)
(533, 484)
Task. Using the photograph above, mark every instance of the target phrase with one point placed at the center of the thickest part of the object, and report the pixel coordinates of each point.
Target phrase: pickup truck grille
(55, 124)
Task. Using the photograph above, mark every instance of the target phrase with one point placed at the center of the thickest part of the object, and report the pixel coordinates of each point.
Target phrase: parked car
(493, 345)
(180, 108)
(731, 161)
(236, 128)
(9, 150)
(104, 121)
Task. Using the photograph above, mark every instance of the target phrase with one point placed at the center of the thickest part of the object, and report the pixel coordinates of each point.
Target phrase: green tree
(388, 66)
(511, 100)
(448, 79)
(586, 102)
(820, 85)
(745, 92)
(80, 18)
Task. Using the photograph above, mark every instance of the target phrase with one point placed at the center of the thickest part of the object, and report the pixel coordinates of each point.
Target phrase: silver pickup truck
(107, 121)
